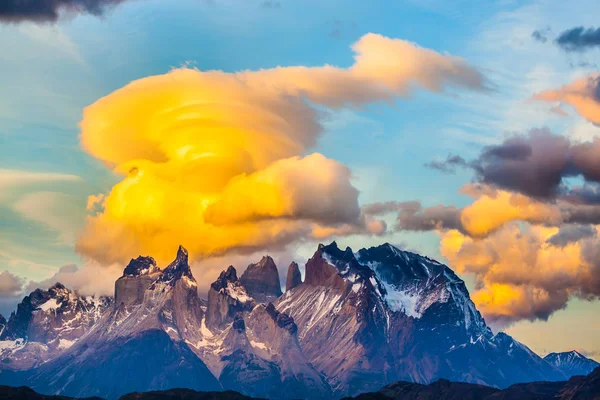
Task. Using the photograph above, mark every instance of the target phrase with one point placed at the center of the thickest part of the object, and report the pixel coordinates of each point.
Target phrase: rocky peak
(226, 298)
(141, 266)
(330, 266)
(320, 272)
(294, 278)
(178, 268)
(261, 280)
(229, 275)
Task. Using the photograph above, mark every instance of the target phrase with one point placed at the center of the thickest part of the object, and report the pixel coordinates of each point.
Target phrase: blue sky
(50, 72)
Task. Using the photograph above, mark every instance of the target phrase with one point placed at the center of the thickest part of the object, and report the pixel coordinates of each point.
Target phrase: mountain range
(357, 322)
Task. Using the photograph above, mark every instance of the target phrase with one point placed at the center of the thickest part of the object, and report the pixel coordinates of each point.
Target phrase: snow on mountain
(572, 362)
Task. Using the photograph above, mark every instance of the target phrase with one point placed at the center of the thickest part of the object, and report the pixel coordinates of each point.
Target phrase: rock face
(261, 280)
(294, 278)
(137, 277)
(226, 298)
(572, 363)
(360, 321)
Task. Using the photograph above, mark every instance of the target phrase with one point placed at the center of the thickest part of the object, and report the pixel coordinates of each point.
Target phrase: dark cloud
(51, 10)
(386, 207)
(541, 35)
(579, 39)
(412, 216)
(536, 164)
(532, 164)
(568, 234)
(449, 165)
(429, 218)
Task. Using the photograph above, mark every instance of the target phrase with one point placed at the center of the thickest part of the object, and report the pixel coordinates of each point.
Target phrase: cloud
(386, 207)
(536, 164)
(571, 234)
(490, 212)
(89, 279)
(583, 94)
(11, 291)
(12, 179)
(579, 39)
(10, 285)
(15, 11)
(449, 165)
(533, 164)
(436, 217)
(541, 35)
(52, 209)
(217, 161)
(520, 275)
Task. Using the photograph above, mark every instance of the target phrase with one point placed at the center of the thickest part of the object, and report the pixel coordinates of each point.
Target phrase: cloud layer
(218, 161)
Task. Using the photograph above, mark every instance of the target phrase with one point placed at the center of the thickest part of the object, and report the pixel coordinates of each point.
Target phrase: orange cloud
(520, 273)
(490, 212)
(582, 94)
(217, 161)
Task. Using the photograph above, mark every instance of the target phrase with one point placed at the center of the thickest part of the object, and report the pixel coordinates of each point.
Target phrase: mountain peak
(294, 278)
(572, 362)
(57, 286)
(261, 280)
(178, 268)
(226, 276)
(140, 266)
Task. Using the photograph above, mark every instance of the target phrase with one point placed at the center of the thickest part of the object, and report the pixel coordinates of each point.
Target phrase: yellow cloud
(491, 211)
(217, 161)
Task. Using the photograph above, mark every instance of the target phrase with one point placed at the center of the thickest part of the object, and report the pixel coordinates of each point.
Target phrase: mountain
(252, 347)
(46, 323)
(394, 315)
(576, 388)
(359, 321)
(572, 363)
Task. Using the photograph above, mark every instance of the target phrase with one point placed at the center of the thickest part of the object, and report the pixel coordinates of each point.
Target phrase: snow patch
(402, 301)
(49, 305)
(65, 344)
(258, 345)
(237, 292)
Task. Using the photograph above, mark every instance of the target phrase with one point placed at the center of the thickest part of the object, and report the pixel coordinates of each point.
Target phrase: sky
(465, 132)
